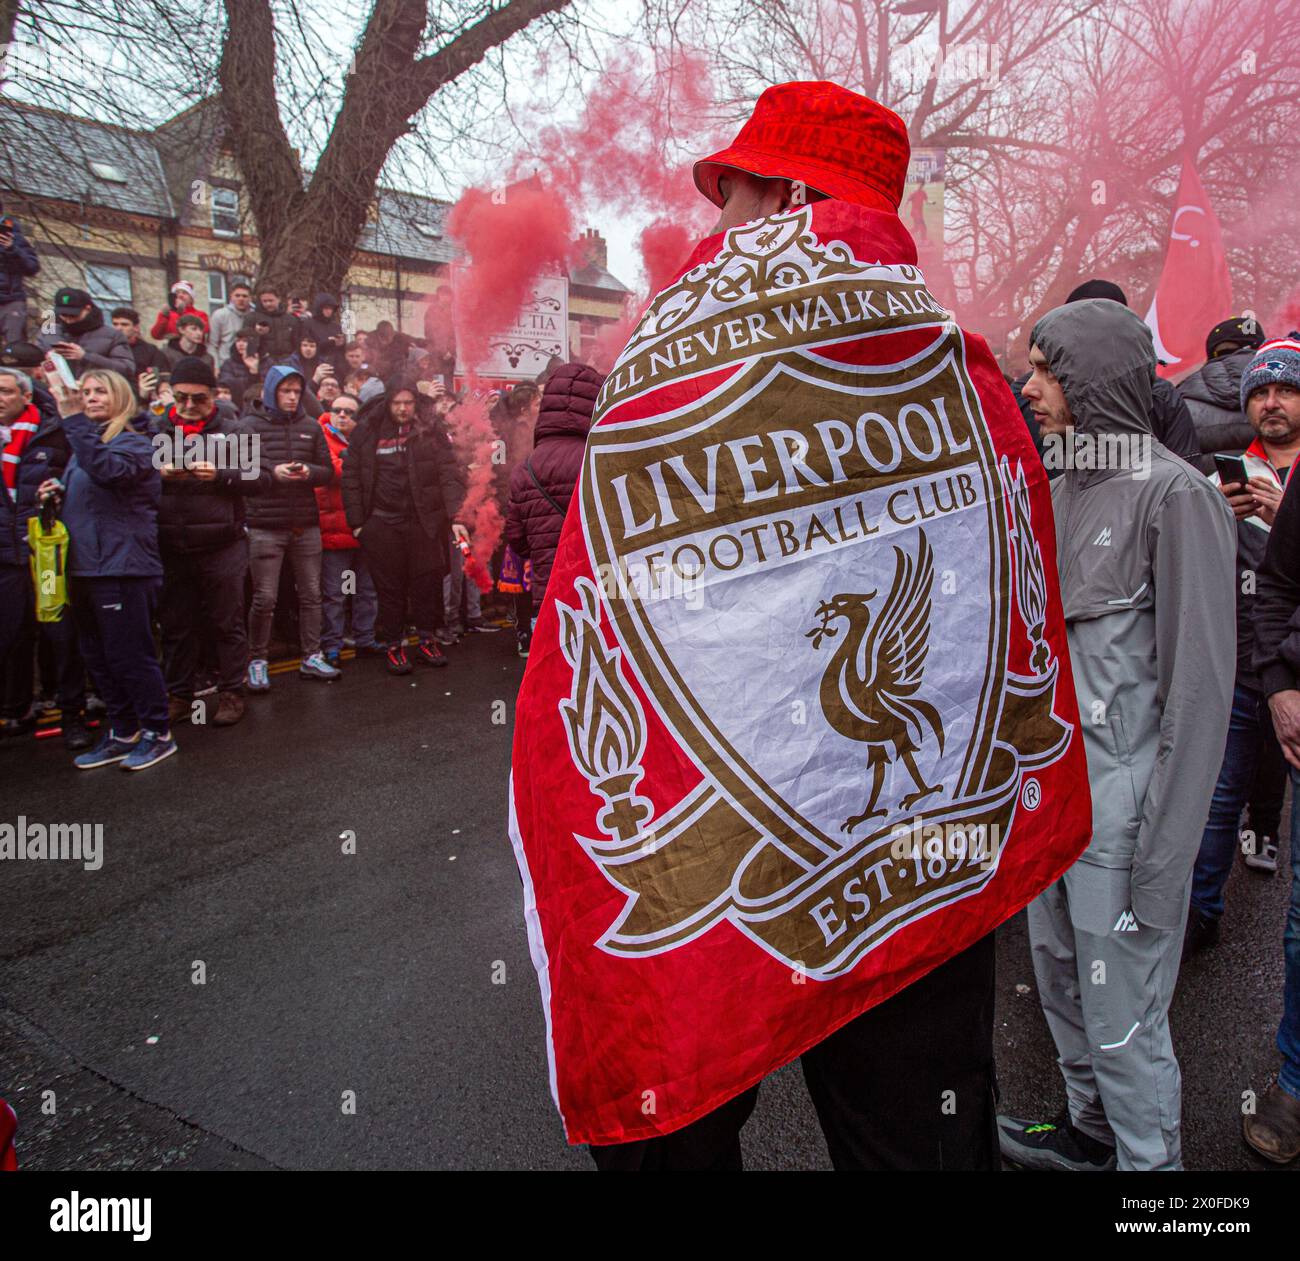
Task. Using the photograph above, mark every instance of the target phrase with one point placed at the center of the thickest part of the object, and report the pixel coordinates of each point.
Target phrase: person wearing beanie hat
(1213, 392)
(1253, 773)
(203, 542)
(1145, 549)
(1271, 393)
(182, 303)
(83, 339)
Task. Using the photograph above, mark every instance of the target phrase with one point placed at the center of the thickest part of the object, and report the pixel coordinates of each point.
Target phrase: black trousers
(20, 633)
(408, 568)
(115, 627)
(907, 1085)
(203, 595)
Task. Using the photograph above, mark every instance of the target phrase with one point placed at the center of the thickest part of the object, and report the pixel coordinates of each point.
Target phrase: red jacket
(334, 532)
(165, 325)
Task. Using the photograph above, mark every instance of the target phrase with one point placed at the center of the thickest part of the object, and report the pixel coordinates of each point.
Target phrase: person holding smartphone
(284, 521)
(84, 340)
(1270, 393)
(109, 496)
(1252, 484)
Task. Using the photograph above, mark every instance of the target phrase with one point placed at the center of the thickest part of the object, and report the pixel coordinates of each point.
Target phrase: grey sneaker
(1265, 856)
(1052, 1144)
(316, 667)
(258, 679)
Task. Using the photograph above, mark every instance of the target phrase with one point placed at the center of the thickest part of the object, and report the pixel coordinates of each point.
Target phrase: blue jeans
(1288, 1032)
(334, 562)
(1236, 778)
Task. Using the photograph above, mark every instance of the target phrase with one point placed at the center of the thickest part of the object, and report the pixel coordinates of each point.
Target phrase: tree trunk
(307, 235)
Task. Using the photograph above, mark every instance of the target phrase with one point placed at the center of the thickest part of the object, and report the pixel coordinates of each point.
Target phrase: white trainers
(258, 679)
(316, 667)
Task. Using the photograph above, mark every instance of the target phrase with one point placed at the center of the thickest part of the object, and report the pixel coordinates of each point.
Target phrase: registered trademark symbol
(1031, 795)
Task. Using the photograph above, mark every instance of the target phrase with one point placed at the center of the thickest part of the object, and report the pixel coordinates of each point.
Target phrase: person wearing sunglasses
(204, 544)
(344, 570)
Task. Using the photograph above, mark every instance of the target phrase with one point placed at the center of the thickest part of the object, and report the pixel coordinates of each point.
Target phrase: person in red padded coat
(343, 570)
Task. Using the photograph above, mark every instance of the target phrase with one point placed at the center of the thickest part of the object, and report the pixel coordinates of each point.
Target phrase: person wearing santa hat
(182, 303)
(878, 1082)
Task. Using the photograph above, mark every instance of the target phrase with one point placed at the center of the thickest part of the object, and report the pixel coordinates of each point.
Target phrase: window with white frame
(216, 290)
(225, 212)
(108, 286)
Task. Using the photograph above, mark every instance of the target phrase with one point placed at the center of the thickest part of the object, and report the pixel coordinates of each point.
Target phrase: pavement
(233, 990)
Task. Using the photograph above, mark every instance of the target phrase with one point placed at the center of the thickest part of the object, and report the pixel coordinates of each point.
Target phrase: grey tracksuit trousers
(1106, 983)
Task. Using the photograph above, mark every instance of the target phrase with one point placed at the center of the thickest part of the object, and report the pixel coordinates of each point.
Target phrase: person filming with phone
(1252, 484)
(284, 521)
(83, 341)
(109, 497)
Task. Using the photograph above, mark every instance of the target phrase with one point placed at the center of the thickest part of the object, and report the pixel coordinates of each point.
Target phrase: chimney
(592, 250)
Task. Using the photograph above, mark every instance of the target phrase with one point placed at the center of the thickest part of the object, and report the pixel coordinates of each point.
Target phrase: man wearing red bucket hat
(807, 142)
(699, 943)
(804, 142)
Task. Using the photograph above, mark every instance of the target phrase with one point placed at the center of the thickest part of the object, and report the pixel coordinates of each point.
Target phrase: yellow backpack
(49, 561)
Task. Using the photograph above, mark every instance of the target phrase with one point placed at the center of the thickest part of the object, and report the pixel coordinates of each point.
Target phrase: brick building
(125, 213)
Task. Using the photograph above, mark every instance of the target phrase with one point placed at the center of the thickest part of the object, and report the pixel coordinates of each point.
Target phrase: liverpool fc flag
(798, 723)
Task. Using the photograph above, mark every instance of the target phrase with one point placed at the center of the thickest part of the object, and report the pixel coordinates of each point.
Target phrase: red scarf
(188, 427)
(21, 431)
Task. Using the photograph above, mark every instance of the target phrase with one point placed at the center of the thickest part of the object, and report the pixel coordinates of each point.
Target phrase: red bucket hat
(837, 142)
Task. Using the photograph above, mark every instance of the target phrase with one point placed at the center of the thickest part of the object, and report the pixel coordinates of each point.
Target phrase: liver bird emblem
(869, 689)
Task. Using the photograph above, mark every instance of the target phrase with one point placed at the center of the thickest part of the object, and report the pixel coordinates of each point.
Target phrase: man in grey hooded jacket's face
(1145, 549)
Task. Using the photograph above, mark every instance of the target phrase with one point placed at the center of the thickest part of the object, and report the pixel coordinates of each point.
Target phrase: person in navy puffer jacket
(541, 487)
(111, 494)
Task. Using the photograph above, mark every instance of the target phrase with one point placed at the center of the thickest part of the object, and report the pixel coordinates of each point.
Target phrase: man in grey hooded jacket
(1145, 548)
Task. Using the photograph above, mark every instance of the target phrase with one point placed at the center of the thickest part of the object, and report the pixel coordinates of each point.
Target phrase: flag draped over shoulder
(798, 723)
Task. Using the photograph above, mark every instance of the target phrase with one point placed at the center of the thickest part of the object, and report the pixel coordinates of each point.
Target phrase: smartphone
(1231, 468)
(61, 368)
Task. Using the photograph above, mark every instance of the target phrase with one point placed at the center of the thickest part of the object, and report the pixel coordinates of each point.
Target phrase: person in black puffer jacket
(402, 489)
(1213, 392)
(203, 540)
(284, 520)
(541, 487)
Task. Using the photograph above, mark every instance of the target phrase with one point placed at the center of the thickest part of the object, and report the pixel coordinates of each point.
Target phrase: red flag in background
(1194, 292)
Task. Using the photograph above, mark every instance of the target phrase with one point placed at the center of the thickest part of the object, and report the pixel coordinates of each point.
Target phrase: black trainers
(1052, 1145)
(76, 735)
(429, 654)
(397, 660)
(1202, 933)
